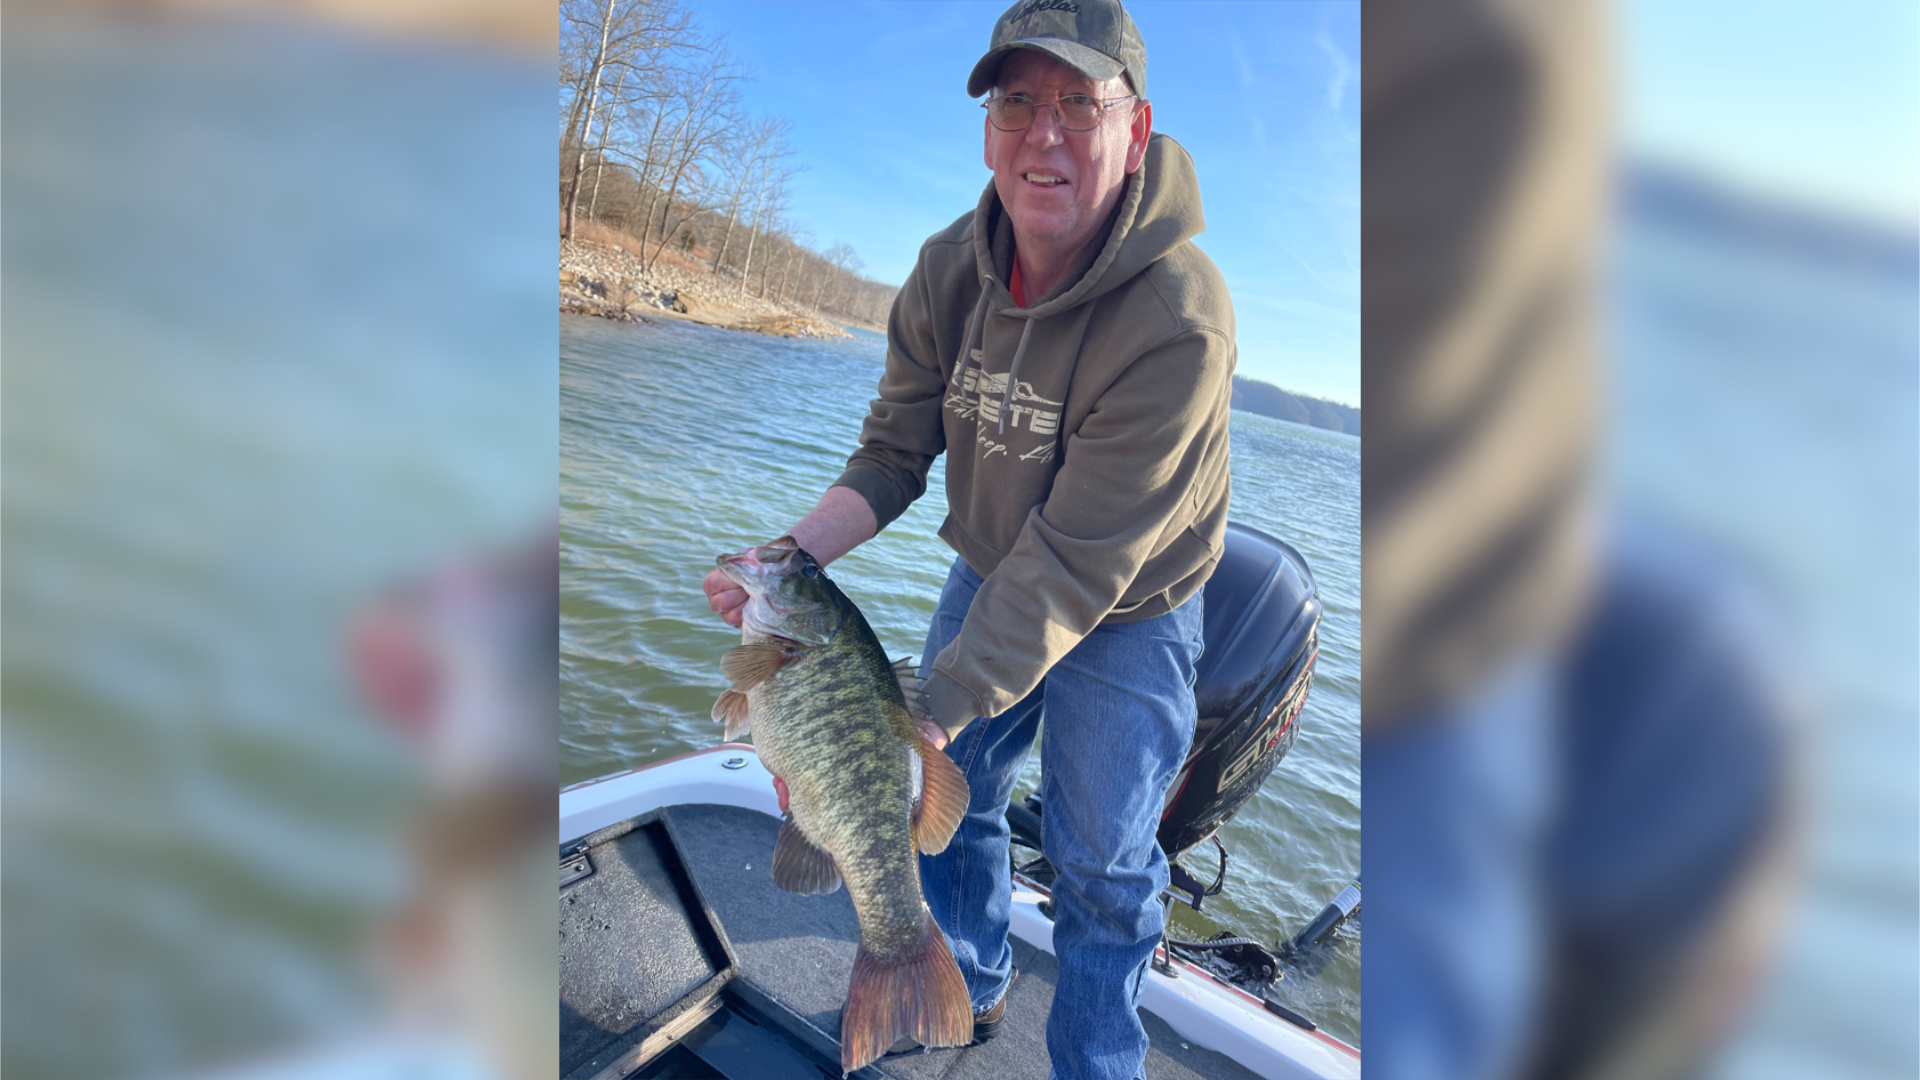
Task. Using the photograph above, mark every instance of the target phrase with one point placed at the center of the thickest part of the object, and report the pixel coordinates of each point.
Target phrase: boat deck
(798, 951)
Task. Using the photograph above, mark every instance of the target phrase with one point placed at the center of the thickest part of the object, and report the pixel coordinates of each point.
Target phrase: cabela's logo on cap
(1038, 6)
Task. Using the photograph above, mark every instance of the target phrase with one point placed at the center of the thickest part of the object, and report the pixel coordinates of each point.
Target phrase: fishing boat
(680, 958)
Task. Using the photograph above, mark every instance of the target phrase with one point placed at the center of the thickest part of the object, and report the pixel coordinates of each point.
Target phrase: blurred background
(1763, 319)
(1642, 292)
(279, 435)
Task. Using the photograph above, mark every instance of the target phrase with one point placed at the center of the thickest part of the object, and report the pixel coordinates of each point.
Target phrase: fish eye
(810, 570)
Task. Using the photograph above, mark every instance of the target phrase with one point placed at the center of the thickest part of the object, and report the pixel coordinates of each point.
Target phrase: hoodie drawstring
(973, 328)
(1013, 376)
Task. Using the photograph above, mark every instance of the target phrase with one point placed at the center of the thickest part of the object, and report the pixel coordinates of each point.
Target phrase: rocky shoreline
(613, 284)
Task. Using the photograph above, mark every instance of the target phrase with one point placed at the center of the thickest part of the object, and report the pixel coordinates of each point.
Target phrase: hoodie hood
(1085, 436)
(1159, 211)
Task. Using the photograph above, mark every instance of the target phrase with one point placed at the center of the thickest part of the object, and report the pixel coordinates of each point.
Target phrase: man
(1072, 351)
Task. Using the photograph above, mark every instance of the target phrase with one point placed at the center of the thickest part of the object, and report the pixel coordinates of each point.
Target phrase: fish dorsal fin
(943, 799)
(731, 710)
(799, 866)
(747, 666)
(912, 687)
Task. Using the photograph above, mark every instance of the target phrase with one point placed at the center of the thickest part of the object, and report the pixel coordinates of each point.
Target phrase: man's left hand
(935, 734)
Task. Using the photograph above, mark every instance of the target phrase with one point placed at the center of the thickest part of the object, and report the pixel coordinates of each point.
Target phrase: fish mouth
(774, 610)
(752, 568)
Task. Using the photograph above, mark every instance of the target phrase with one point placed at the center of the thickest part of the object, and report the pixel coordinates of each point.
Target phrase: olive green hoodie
(1087, 479)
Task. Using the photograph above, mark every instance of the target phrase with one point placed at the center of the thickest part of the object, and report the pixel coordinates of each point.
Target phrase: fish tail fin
(918, 993)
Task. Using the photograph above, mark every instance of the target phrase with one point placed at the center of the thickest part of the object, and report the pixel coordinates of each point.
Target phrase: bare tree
(650, 111)
(737, 165)
(834, 264)
(606, 34)
(759, 174)
(795, 248)
(770, 207)
(710, 115)
(596, 69)
(848, 265)
(573, 82)
(676, 160)
(600, 157)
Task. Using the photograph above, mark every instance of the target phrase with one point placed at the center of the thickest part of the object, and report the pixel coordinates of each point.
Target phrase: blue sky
(1818, 103)
(1265, 96)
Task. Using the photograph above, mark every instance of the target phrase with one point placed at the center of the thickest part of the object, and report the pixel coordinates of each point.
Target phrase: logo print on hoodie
(982, 397)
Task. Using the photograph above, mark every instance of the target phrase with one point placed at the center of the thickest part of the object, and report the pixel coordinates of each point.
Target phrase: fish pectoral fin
(943, 800)
(747, 666)
(799, 865)
(731, 710)
(912, 687)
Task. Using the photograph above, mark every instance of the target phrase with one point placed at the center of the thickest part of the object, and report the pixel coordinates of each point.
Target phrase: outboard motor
(1262, 637)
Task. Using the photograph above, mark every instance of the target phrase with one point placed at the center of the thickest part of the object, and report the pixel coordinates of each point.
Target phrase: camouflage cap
(1097, 38)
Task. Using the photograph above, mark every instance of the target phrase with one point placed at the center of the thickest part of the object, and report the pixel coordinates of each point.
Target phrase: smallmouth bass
(831, 717)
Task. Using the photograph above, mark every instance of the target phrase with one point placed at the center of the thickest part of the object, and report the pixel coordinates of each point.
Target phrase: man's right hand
(724, 597)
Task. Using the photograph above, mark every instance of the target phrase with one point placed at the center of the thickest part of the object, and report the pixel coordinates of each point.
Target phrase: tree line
(1269, 400)
(655, 141)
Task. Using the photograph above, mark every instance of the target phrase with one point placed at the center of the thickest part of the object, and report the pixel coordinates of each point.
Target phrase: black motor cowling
(1262, 637)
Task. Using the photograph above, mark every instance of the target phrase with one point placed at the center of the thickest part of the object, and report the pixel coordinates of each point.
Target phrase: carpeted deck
(799, 952)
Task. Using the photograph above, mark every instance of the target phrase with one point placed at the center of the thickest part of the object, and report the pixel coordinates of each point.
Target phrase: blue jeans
(1456, 812)
(1119, 713)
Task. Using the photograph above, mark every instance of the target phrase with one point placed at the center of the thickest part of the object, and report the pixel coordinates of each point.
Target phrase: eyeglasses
(1075, 112)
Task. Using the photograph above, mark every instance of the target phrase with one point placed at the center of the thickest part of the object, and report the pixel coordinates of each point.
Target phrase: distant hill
(1269, 400)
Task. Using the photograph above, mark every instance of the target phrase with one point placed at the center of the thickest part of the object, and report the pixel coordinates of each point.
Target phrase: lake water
(678, 442)
(1766, 397)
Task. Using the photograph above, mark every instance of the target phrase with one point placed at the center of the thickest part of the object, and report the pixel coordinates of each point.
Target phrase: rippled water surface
(678, 442)
(1767, 398)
